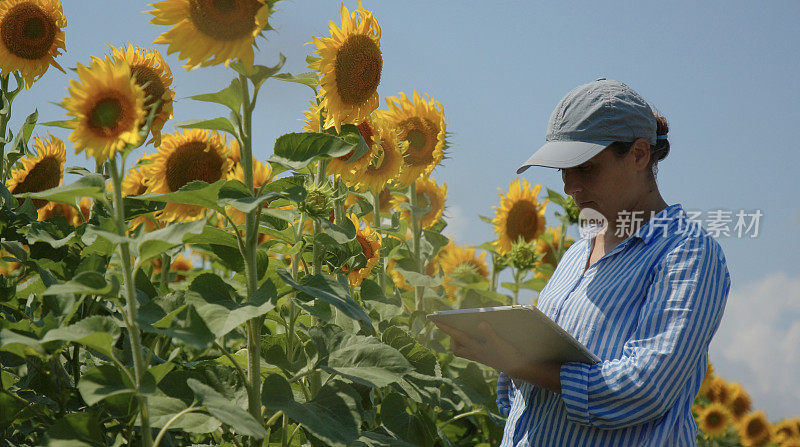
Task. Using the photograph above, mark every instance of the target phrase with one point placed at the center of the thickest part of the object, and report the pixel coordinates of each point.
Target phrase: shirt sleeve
(681, 313)
(506, 391)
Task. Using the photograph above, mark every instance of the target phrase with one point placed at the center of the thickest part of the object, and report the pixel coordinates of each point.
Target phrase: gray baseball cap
(588, 119)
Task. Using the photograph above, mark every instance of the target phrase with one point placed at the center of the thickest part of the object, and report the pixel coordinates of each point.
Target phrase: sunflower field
(184, 292)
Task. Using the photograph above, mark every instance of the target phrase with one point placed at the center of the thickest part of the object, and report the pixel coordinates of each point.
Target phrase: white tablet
(535, 335)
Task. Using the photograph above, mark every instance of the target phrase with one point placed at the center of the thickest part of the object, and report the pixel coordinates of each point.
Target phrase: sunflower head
(422, 130)
(719, 391)
(520, 215)
(108, 107)
(430, 197)
(740, 402)
(787, 429)
(41, 172)
(382, 163)
(754, 429)
(150, 72)
(31, 37)
(184, 157)
(350, 64)
(457, 261)
(319, 200)
(133, 183)
(523, 255)
(211, 32)
(370, 242)
(262, 174)
(714, 420)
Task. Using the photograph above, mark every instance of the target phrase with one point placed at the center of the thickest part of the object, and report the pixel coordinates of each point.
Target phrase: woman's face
(607, 183)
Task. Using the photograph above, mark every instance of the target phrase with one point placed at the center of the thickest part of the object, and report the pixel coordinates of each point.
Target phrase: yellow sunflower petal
(714, 420)
(754, 429)
(519, 215)
(108, 107)
(31, 37)
(211, 32)
(456, 259)
(185, 157)
(370, 242)
(350, 65)
(429, 195)
(41, 172)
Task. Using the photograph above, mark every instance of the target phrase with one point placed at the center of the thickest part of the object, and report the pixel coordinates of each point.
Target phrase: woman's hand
(494, 351)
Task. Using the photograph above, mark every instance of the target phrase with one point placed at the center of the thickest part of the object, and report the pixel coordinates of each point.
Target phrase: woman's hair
(658, 151)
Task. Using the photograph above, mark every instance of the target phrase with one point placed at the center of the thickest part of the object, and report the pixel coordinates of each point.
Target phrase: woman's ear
(641, 153)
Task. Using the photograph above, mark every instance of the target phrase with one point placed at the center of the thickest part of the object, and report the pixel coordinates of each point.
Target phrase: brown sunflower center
(358, 69)
(193, 161)
(367, 132)
(150, 81)
(420, 133)
(714, 419)
(224, 19)
(106, 114)
(366, 248)
(27, 31)
(755, 428)
(522, 221)
(740, 406)
(44, 175)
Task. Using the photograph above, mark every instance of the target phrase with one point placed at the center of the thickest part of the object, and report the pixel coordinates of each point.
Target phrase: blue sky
(723, 73)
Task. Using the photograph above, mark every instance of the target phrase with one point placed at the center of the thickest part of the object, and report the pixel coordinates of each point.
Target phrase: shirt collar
(660, 224)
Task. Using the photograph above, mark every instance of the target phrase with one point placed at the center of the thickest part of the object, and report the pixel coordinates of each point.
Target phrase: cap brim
(564, 154)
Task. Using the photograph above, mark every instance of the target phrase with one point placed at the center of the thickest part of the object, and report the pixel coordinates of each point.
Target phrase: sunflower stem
(376, 222)
(4, 119)
(131, 308)
(165, 266)
(250, 259)
(417, 232)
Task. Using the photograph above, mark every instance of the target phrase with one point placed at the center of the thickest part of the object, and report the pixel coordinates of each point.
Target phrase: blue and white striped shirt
(648, 309)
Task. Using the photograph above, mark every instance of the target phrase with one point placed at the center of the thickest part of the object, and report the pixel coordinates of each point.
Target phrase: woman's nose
(571, 185)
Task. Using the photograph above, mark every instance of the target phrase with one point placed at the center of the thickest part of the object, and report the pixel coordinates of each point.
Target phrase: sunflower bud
(523, 255)
(572, 210)
(319, 200)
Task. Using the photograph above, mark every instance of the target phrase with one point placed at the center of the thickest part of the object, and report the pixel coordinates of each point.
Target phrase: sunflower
(370, 242)
(520, 215)
(422, 128)
(431, 269)
(385, 199)
(456, 261)
(261, 174)
(351, 170)
(312, 117)
(718, 391)
(714, 420)
(108, 106)
(549, 248)
(153, 75)
(791, 442)
(381, 164)
(179, 265)
(31, 37)
(740, 402)
(211, 32)
(133, 184)
(786, 429)
(235, 154)
(350, 64)
(429, 196)
(754, 429)
(42, 172)
(69, 213)
(182, 158)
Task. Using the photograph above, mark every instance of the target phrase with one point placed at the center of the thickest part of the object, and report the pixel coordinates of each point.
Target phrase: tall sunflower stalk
(416, 230)
(5, 117)
(376, 222)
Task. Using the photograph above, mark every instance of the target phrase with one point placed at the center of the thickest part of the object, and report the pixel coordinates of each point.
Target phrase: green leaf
(102, 381)
(163, 408)
(329, 290)
(292, 187)
(370, 439)
(20, 344)
(20, 146)
(96, 332)
(230, 96)
(67, 124)
(9, 408)
(223, 124)
(212, 236)
(172, 317)
(298, 150)
(259, 73)
(309, 78)
(76, 430)
(483, 298)
(423, 359)
(193, 193)
(88, 283)
(218, 304)
(88, 186)
(402, 424)
(333, 416)
(222, 409)
(154, 243)
(341, 234)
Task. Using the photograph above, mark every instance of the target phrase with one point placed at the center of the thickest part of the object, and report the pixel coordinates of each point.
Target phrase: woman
(645, 294)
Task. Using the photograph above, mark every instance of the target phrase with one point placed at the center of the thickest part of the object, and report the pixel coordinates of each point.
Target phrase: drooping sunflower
(211, 32)
(31, 37)
(262, 173)
(740, 402)
(519, 215)
(429, 196)
(422, 128)
(456, 260)
(350, 64)
(719, 391)
(108, 107)
(754, 429)
(42, 172)
(152, 74)
(182, 158)
(787, 429)
(178, 266)
(714, 420)
(349, 168)
(370, 242)
(382, 162)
